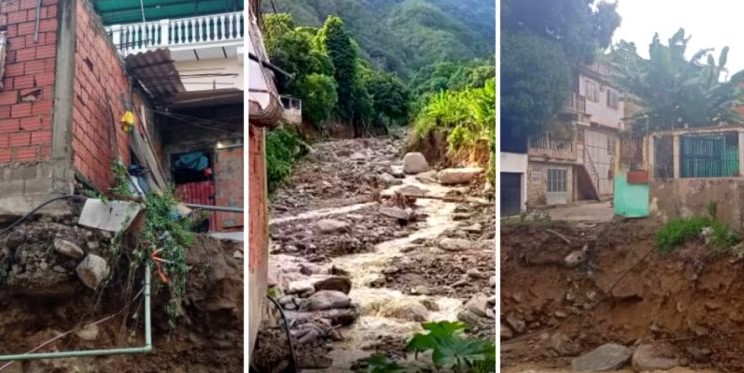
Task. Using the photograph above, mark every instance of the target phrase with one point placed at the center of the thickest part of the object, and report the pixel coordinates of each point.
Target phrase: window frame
(557, 180)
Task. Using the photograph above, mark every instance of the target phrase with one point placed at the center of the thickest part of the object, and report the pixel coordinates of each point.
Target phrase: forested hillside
(404, 35)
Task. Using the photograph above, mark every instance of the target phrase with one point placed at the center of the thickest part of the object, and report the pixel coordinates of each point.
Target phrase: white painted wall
(516, 163)
(599, 111)
(600, 146)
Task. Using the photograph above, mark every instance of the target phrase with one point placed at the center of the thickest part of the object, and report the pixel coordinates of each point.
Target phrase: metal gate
(511, 193)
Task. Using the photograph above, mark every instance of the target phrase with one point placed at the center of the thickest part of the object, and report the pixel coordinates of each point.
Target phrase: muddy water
(532, 369)
(365, 268)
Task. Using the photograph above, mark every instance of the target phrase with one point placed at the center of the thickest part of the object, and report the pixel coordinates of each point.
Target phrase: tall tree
(674, 92)
(535, 81)
(579, 27)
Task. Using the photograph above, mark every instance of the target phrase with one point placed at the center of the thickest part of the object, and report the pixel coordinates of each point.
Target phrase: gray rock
(397, 172)
(395, 212)
(68, 248)
(451, 176)
(332, 226)
(403, 309)
(563, 345)
(414, 163)
(478, 305)
(517, 324)
(300, 287)
(474, 273)
(653, 357)
(428, 177)
(609, 356)
(389, 179)
(337, 283)
(430, 304)
(88, 332)
(327, 299)
(93, 270)
(455, 244)
(575, 258)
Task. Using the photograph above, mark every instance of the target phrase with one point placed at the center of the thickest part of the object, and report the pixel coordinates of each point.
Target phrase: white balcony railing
(200, 31)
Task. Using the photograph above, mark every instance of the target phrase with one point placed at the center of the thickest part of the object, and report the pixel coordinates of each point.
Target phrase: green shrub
(679, 231)
(283, 148)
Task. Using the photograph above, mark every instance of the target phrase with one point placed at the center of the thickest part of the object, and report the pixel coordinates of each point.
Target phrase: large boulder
(332, 226)
(451, 176)
(415, 163)
(93, 270)
(610, 356)
(408, 310)
(455, 244)
(654, 357)
(326, 300)
(336, 283)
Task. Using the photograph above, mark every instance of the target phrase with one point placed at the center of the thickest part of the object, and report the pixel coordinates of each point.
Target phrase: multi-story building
(574, 160)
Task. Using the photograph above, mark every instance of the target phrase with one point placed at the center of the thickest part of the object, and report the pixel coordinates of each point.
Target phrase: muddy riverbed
(327, 223)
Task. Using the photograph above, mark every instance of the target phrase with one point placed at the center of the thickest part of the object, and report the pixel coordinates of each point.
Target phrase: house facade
(68, 83)
(575, 160)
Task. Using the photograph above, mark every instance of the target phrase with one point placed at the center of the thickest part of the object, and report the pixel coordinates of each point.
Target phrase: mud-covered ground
(688, 303)
(41, 298)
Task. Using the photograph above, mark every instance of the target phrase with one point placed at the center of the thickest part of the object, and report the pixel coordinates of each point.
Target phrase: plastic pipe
(87, 353)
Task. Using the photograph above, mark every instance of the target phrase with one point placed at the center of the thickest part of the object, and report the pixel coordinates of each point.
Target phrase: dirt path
(399, 276)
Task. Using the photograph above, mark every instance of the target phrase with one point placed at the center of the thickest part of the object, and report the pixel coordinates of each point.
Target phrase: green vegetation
(331, 78)
(540, 41)
(451, 350)
(401, 36)
(678, 231)
(283, 147)
(674, 92)
(468, 117)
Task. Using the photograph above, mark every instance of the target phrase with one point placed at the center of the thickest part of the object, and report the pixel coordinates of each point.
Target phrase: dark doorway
(511, 193)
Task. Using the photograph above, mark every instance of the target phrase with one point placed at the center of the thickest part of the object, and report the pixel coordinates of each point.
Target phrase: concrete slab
(594, 212)
(232, 236)
(111, 216)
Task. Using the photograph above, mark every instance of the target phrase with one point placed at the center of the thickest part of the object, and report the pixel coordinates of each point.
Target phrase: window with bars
(592, 91)
(709, 155)
(612, 99)
(557, 180)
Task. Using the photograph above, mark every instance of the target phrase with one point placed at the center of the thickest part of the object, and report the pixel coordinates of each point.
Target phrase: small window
(556, 180)
(612, 99)
(592, 91)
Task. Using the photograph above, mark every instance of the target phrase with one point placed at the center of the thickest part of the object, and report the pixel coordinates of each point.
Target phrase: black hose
(29, 214)
(293, 358)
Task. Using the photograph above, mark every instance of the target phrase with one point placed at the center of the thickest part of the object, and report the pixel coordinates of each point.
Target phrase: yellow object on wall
(127, 121)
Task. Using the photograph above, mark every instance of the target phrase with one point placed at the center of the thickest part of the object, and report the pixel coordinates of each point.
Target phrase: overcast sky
(711, 23)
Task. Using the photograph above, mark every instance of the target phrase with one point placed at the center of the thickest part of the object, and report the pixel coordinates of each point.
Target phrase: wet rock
(238, 254)
(455, 244)
(68, 248)
(300, 287)
(428, 177)
(450, 176)
(59, 269)
(475, 274)
(414, 163)
(356, 156)
(430, 304)
(396, 212)
(517, 324)
(397, 172)
(93, 270)
(332, 226)
(654, 357)
(88, 332)
(405, 310)
(420, 290)
(609, 356)
(391, 270)
(388, 179)
(478, 305)
(475, 228)
(337, 283)
(327, 299)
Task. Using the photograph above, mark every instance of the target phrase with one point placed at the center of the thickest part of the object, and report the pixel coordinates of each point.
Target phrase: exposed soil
(625, 292)
(40, 298)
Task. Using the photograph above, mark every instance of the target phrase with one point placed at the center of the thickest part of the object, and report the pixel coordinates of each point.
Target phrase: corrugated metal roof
(131, 11)
(156, 71)
(213, 97)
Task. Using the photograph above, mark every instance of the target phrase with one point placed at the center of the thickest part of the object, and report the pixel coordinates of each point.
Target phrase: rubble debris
(68, 248)
(93, 270)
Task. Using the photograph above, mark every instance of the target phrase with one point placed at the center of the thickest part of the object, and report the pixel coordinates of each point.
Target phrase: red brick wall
(100, 83)
(258, 220)
(28, 83)
(228, 171)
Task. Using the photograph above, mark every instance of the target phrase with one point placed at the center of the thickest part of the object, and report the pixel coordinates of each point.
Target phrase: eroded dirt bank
(688, 306)
(42, 297)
